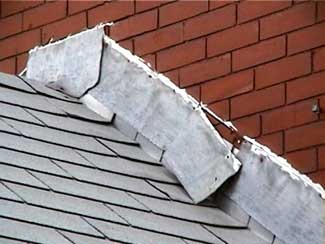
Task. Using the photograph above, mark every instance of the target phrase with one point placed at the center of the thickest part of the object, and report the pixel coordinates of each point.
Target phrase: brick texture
(283, 69)
(44, 14)
(159, 39)
(210, 22)
(134, 25)
(257, 101)
(8, 66)
(259, 53)
(294, 18)
(205, 70)
(11, 25)
(248, 10)
(232, 38)
(181, 55)
(319, 57)
(306, 87)
(260, 64)
(306, 38)
(227, 87)
(180, 10)
(60, 29)
(304, 160)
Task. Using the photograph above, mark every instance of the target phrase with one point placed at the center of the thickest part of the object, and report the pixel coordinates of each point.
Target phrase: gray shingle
(129, 151)
(151, 221)
(95, 192)
(77, 110)
(124, 166)
(112, 180)
(14, 174)
(46, 217)
(128, 234)
(82, 127)
(173, 191)
(41, 148)
(15, 112)
(260, 230)
(66, 203)
(30, 232)
(28, 100)
(28, 161)
(236, 236)
(5, 193)
(207, 215)
(59, 137)
(4, 127)
(43, 89)
(10, 241)
(14, 82)
(82, 239)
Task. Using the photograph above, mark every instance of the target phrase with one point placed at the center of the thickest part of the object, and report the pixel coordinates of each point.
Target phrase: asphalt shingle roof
(68, 175)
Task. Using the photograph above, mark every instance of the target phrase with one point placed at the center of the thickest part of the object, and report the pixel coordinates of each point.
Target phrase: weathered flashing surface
(61, 64)
(139, 79)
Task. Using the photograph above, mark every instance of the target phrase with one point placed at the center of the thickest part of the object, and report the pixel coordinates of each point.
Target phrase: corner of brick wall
(259, 64)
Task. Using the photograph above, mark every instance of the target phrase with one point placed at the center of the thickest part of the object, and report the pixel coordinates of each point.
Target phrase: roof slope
(68, 175)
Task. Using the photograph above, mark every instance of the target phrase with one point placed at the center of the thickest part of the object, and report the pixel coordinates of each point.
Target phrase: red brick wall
(259, 64)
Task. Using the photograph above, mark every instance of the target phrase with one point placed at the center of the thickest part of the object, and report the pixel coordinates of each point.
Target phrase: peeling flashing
(193, 150)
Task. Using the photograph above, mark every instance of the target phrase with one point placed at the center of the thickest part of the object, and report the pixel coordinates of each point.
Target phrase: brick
(134, 25)
(10, 25)
(173, 76)
(127, 44)
(19, 43)
(111, 11)
(44, 14)
(320, 10)
(288, 116)
(305, 136)
(294, 18)
(218, 3)
(305, 87)
(248, 10)
(194, 91)
(78, 6)
(179, 55)
(321, 157)
(210, 22)
(8, 65)
(250, 126)
(205, 70)
(306, 38)
(305, 160)
(258, 101)
(141, 5)
(322, 107)
(233, 38)
(274, 142)
(319, 59)
(318, 177)
(62, 28)
(180, 10)
(283, 70)
(259, 53)
(21, 62)
(9, 7)
(228, 86)
(221, 109)
(151, 59)
(225, 133)
(159, 39)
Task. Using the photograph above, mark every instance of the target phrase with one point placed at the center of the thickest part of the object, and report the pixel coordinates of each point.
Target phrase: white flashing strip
(75, 58)
(168, 117)
(194, 150)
